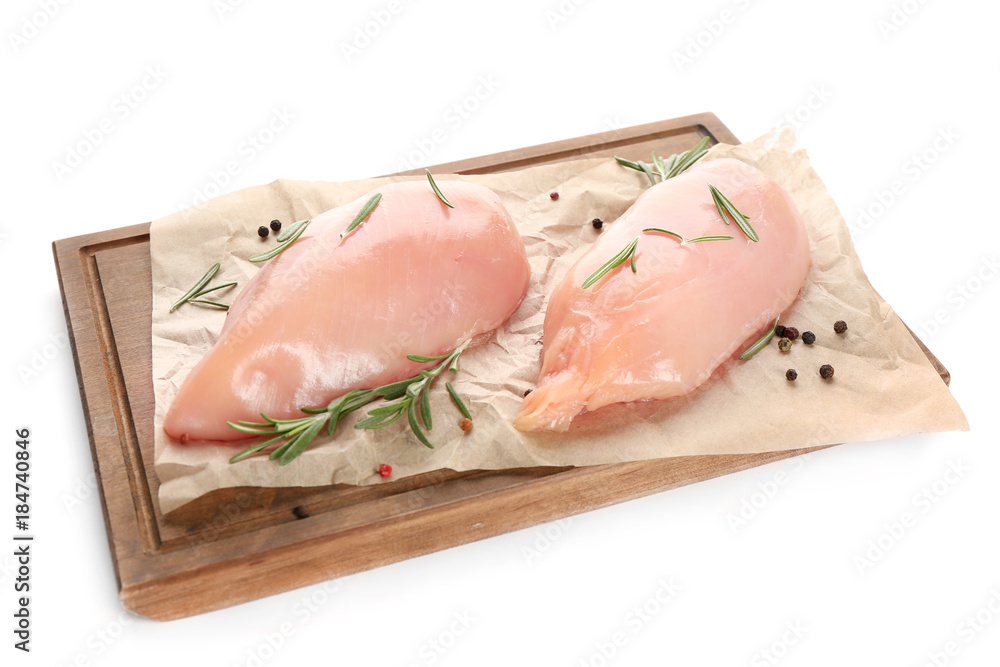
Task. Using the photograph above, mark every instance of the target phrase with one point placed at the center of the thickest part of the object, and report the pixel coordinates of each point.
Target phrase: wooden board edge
(569, 148)
(74, 244)
(332, 556)
(67, 260)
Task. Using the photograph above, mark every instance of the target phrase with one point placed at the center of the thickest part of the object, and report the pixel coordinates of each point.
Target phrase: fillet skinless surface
(661, 332)
(320, 320)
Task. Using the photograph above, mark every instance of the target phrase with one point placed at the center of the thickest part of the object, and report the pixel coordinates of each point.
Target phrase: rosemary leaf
(363, 214)
(425, 409)
(255, 448)
(665, 231)
(719, 206)
(383, 410)
(668, 165)
(613, 263)
(638, 166)
(213, 289)
(646, 170)
(289, 424)
(761, 342)
(274, 252)
(725, 207)
(421, 359)
(331, 424)
(288, 231)
(411, 415)
(391, 392)
(191, 293)
(284, 447)
(707, 238)
(249, 427)
(437, 190)
(301, 442)
(458, 401)
(660, 165)
(382, 416)
(213, 304)
(628, 163)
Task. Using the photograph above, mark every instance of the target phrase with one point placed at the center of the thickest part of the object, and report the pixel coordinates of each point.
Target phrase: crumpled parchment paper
(884, 385)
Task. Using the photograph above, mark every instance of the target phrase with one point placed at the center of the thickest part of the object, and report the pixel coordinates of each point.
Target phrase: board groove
(129, 439)
(236, 545)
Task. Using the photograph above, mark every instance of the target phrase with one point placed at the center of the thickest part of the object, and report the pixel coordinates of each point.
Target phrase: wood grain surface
(236, 545)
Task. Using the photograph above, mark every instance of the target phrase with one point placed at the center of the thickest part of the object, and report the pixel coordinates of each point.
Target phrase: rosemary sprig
(437, 190)
(191, 296)
(674, 165)
(628, 253)
(761, 342)
(274, 252)
(727, 210)
(685, 241)
(363, 214)
(411, 395)
(197, 286)
(458, 401)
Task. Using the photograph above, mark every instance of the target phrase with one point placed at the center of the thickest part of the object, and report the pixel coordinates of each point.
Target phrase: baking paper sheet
(884, 385)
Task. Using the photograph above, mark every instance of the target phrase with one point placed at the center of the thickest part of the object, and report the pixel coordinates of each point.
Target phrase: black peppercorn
(791, 375)
(597, 223)
(791, 333)
(840, 326)
(826, 371)
(263, 231)
(784, 344)
(779, 331)
(808, 338)
(276, 225)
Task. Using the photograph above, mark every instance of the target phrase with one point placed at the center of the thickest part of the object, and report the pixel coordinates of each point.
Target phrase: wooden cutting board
(235, 545)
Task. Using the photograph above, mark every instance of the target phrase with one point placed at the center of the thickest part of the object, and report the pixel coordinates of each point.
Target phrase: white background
(559, 593)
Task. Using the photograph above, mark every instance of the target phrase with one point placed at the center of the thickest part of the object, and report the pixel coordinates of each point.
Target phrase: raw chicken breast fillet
(319, 320)
(662, 331)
